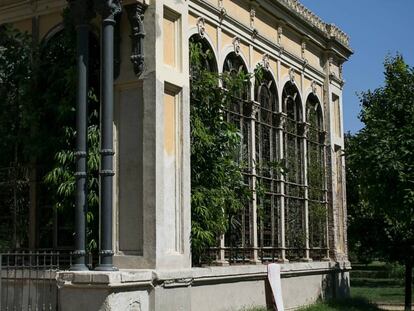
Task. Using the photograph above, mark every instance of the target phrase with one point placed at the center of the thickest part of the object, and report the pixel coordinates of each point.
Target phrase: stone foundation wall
(200, 289)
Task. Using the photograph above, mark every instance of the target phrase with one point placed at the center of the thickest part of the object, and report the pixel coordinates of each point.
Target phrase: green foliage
(60, 57)
(15, 85)
(381, 170)
(218, 191)
(381, 159)
(37, 115)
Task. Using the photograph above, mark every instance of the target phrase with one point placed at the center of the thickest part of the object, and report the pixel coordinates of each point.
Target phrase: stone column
(82, 13)
(107, 9)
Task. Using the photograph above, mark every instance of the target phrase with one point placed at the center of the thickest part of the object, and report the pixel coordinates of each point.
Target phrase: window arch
(294, 176)
(316, 178)
(267, 150)
(208, 58)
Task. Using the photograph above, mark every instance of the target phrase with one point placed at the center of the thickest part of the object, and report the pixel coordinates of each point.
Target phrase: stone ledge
(194, 276)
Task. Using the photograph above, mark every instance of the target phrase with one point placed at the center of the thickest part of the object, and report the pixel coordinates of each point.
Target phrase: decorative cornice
(330, 30)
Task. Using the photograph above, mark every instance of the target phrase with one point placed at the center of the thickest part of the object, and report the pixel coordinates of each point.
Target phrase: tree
(381, 168)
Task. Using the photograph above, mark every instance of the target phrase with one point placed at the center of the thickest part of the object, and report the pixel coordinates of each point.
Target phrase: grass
(351, 304)
(380, 294)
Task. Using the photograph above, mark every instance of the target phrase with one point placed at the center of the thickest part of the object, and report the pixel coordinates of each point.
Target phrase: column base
(106, 267)
(78, 267)
(221, 263)
(306, 259)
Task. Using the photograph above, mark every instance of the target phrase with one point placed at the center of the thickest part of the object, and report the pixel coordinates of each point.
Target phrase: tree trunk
(408, 282)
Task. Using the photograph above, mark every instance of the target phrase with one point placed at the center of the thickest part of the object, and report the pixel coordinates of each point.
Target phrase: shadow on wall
(336, 285)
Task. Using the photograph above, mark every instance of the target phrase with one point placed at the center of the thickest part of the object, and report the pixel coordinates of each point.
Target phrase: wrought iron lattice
(267, 167)
(238, 239)
(317, 190)
(294, 176)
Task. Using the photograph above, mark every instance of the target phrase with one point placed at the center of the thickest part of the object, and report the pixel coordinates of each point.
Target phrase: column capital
(82, 11)
(108, 8)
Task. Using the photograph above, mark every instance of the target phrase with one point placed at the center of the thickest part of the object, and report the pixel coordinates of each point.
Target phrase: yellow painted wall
(169, 41)
(266, 26)
(47, 22)
(239, 10)
(169, 122)
(192, 20)
(292, 43)
(24, 25)
(212, 33)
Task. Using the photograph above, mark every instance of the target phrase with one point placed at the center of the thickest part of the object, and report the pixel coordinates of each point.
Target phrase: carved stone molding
(201, 27)
(280, 120)
(236, 45)
(292, 75)
(266, 61)
(136, 19)
(108, 8)
(279, 34)
(223, 11)
(303, 129)
(255, 33)
(314, 87)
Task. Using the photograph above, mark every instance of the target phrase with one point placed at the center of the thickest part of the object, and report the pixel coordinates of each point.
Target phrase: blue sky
(376, 28)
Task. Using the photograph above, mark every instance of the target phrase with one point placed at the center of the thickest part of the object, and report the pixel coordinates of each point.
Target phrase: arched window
(239, 113)
(294, 175)
(316, 178)
(56, 82)
(267, 173)
(207, 58)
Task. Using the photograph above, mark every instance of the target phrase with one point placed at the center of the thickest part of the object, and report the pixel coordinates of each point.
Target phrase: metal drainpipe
(107, 9)
(81, 14)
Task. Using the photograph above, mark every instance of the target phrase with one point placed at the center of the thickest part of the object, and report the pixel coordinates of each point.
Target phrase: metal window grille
(294, 181)
(317, 189)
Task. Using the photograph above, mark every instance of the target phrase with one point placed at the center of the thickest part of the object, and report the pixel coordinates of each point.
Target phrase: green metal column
(107, 9)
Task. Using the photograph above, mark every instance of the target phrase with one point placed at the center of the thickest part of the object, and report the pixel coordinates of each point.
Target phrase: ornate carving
(81, 11)
(201, 26)
(255, 33)
(279, 34)
(341, 71)
(266, 61)
(280, 120)
(303, 129)
(314, 87)
(255, 109)
(223, 11)
(292, 75)
(303, 49)
(236, 45)
(330, 67)
(108, 8)
(252, 16)
(136, 19)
